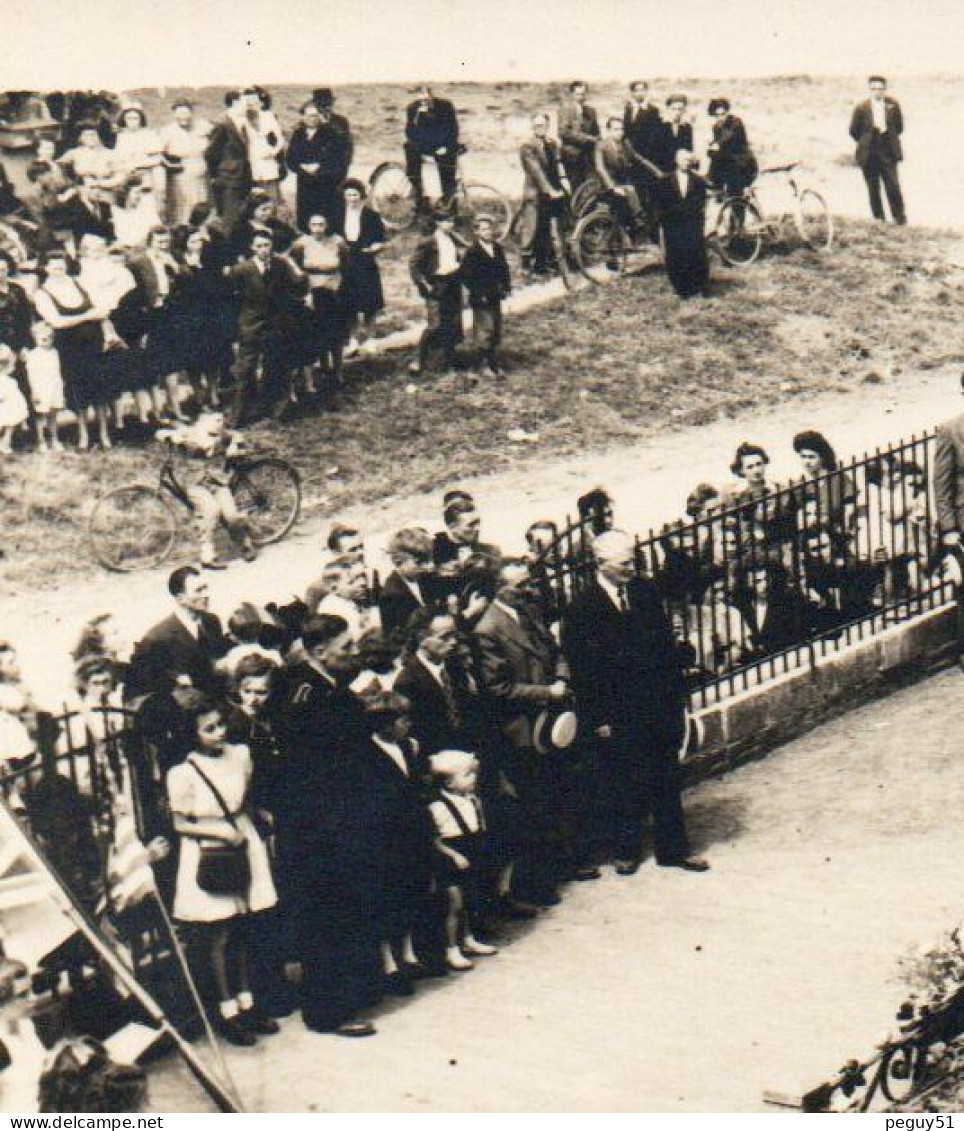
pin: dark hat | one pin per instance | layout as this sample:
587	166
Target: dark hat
323	96
718	104
554	729
681	98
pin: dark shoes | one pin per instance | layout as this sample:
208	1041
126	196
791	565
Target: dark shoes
398	984
509	908
345	1029
590	872
687	863
235	1032
258	1023
627	867
214	563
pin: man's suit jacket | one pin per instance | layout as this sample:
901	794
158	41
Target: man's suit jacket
330	147
949	475
145	274
169	650
265	300
423	264
615	161
540	163
435	128
517	661
625	668
433	722
578	128
674	207
643	126
226	155
863	133
398	604
486	277
669	143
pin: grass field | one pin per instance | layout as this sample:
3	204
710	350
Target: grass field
588	371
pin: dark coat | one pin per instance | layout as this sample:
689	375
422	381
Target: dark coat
486	277
781	623
435	128
437	724
362	279
398	604
540	164
423	266
16	316
517	661
626	669
949	475
578	129
888	146
331	148
169	650
226	156
643	126
91	218
683	220
266	302
732	163
669	142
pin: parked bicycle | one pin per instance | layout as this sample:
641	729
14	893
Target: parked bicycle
739	228
136	526
393	195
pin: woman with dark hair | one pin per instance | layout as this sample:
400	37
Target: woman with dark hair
137	151
183	144
202	314
79	338
364	234
733	167
323	257
828	495
260	215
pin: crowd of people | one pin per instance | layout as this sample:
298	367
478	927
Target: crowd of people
168	259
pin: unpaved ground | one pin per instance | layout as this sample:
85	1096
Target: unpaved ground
671	992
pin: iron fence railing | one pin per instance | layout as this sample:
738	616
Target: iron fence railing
766	578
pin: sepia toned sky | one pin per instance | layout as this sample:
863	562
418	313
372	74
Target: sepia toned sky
125	43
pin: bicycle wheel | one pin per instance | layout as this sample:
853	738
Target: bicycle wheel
600	246
482	200
738	235
133	527
563	254
392	195
268	495
586	196
813	220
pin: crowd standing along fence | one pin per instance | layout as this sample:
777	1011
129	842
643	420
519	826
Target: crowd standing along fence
764	579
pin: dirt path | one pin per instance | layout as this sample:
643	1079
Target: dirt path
649	482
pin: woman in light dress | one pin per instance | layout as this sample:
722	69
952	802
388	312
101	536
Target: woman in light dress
134	214
183	143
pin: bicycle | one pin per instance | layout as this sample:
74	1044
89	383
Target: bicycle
136	526
392	195
602	243
739	228
560	237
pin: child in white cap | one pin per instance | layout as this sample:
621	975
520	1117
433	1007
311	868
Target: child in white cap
460	843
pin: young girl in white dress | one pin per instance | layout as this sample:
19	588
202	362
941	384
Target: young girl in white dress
13	404
46	386
208	794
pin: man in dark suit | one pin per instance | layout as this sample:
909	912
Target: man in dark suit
228	161
641	121
626	670
487	281
434	268
268	290
543	194
626	176
876	126
182	649
431	130
681	196
578	132
325	871
409	587
319	153
674	133
458	543
520	666
444	705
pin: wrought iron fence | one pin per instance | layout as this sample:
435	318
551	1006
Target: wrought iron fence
763	578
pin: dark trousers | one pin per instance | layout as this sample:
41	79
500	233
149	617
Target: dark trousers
339	956
536	236
578	168
487	331
879	170
443	323
537	779
318	196
229	199
447	169
260	374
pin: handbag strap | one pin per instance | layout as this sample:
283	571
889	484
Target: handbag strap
214	789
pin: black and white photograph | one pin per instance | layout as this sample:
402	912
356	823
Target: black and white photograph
482	559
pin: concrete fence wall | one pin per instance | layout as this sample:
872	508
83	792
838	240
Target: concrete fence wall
752	723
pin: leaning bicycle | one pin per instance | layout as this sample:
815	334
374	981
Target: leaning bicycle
739	228
392	194
136	526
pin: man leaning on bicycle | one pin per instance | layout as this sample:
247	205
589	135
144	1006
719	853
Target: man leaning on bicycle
432	130
618	167
210	449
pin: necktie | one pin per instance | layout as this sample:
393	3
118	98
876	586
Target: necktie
477	806
623	601
451	704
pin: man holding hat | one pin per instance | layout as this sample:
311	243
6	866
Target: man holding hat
520	671
627	670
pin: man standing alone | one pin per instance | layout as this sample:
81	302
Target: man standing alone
876	126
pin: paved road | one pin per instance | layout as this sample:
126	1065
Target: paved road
674	992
